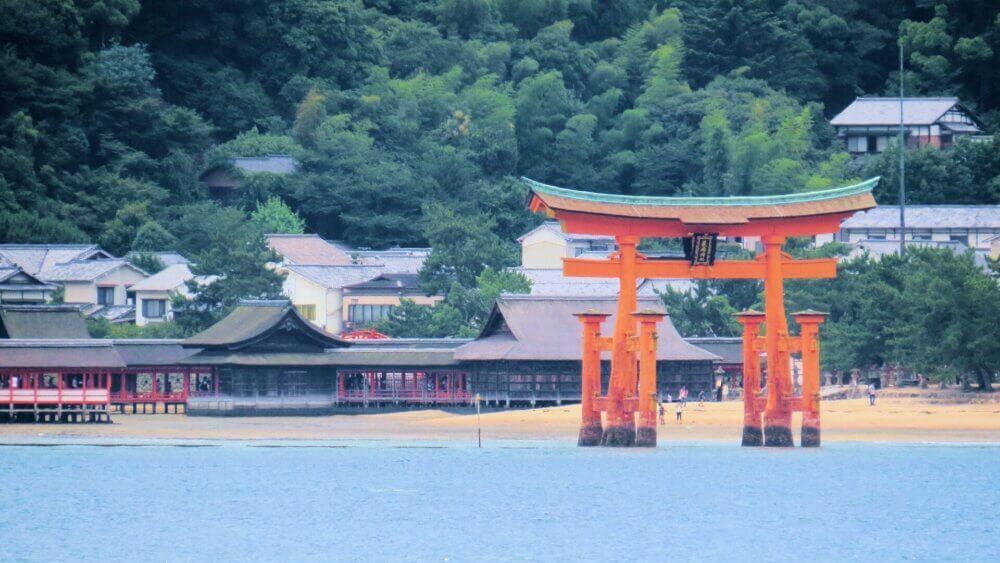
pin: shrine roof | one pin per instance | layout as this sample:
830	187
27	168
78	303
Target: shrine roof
705	210
253	322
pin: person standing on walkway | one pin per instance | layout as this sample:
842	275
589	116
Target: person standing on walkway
663	413
679	411
683	395
871	394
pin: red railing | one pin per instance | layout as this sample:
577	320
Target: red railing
127	391
21	387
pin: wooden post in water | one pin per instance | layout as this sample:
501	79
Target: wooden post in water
621	388
751	321
646	432
777	416
591	431
809	321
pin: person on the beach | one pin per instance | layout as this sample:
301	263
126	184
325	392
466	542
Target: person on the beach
683	395
701	398
871	394
662	413
679	412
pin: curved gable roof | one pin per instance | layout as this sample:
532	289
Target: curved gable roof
522	327
703	210
255	321
42	322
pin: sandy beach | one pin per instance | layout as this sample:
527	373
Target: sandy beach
917	417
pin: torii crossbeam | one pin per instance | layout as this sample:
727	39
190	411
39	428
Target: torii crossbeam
632	386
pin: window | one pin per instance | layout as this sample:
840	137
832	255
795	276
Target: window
308	312
154	308
872	143
105	296
856	144
921	235
964	239
363	315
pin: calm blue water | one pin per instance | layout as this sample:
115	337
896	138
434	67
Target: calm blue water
377	501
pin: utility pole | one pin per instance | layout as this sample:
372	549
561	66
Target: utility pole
902	158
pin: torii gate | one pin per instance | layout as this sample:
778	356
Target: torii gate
699	221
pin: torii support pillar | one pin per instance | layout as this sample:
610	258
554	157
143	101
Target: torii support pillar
809	322
777	414
645	435
591	431
751	320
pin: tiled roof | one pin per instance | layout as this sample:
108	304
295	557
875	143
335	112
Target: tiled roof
152	352
395	260
113	313
729	349
85	270
251	323
307	250
42	321
524	327
885	111
389	281
928	217
62	353
168	279
552	282
9	271
336	277
36	259
169	258
272	164
555	228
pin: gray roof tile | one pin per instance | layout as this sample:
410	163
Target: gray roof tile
336	277
37	259
42	321
885	111
927	217
84	270
272	164
543	328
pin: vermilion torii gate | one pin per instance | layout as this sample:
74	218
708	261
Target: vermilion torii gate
632	386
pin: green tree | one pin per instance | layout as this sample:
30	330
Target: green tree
274	216
948	311
147	262
151	236
700	312
462	247
122	230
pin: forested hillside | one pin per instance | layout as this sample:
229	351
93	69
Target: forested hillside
412	118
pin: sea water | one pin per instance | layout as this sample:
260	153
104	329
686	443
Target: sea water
518	501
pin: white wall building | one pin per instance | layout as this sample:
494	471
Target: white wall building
546	245
973	226
871	125
318	291
153	296
970	225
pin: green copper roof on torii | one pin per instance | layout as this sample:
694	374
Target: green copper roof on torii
731	201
